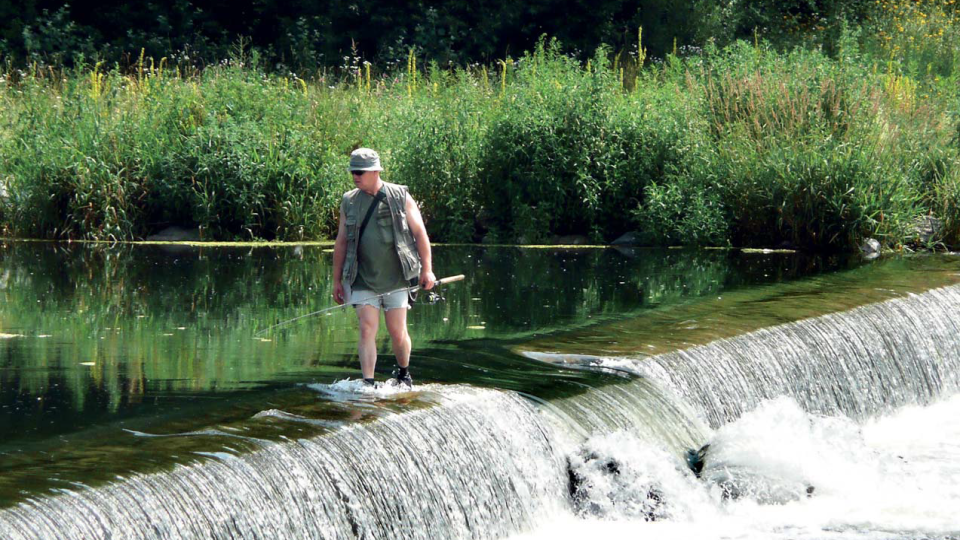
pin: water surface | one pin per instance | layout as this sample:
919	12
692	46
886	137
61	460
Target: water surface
119	362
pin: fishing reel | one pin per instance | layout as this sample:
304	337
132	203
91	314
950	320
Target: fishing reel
435	296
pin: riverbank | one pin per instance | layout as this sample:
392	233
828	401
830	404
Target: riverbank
743	146
329	244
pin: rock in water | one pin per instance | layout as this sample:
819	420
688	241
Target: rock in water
771	455
695	459
870	248
176	234
604	486
631	238
570	240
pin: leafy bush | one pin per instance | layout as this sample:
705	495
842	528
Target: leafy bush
816	152
678	212
543	145
740	145
657	135
435	145
947	205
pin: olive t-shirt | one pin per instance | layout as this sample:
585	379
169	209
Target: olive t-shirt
379	267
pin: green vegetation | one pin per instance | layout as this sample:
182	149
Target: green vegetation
833	132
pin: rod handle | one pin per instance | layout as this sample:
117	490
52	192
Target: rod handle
451	279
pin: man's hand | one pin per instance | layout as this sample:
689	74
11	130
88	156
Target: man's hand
339	256
427	279
415	221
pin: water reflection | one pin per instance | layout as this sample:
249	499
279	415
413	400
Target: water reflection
737	311
98	328
101	344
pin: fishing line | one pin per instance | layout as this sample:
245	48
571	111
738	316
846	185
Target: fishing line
433	299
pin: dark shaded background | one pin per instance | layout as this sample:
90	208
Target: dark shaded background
302	35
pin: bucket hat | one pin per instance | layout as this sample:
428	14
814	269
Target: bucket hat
364	159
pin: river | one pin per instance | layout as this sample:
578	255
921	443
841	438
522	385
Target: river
558	392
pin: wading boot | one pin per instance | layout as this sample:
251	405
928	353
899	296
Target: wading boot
403	378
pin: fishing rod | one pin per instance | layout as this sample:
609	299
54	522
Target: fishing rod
414	288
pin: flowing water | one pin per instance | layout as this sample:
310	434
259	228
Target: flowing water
559	392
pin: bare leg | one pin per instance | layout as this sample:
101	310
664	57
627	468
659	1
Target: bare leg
369	319
399	337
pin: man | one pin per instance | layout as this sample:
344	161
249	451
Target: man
389	252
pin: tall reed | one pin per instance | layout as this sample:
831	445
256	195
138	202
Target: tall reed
742	145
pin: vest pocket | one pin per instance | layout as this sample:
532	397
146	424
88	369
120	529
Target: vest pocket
385	224
386	230
351	227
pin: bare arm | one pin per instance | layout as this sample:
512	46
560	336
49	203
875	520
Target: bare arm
419	231
339	256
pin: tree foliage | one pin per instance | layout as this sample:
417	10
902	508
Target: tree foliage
303	35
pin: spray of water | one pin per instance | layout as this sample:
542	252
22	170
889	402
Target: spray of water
480	464
857	363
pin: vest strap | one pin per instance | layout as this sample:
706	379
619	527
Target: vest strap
373	206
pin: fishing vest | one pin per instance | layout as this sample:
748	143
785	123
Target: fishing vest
406	245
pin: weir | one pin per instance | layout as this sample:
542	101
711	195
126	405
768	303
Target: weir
858	363
487	464
638	407
480	465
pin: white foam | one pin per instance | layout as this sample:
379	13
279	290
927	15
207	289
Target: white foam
894	477
351	388
648	482
356	390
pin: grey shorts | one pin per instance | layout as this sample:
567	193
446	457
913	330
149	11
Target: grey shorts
364	297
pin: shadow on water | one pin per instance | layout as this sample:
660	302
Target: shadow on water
105	348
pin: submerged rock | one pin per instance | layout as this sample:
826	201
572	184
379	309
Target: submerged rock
603	486
570	240
735	483
627	251
631	238
695	459
176	234
740	474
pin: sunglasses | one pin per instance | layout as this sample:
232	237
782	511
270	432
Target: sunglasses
357	173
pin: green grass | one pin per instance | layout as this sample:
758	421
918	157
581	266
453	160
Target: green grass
746	146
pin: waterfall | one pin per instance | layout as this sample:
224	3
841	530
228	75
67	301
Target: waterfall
638	407
858	363
480	464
